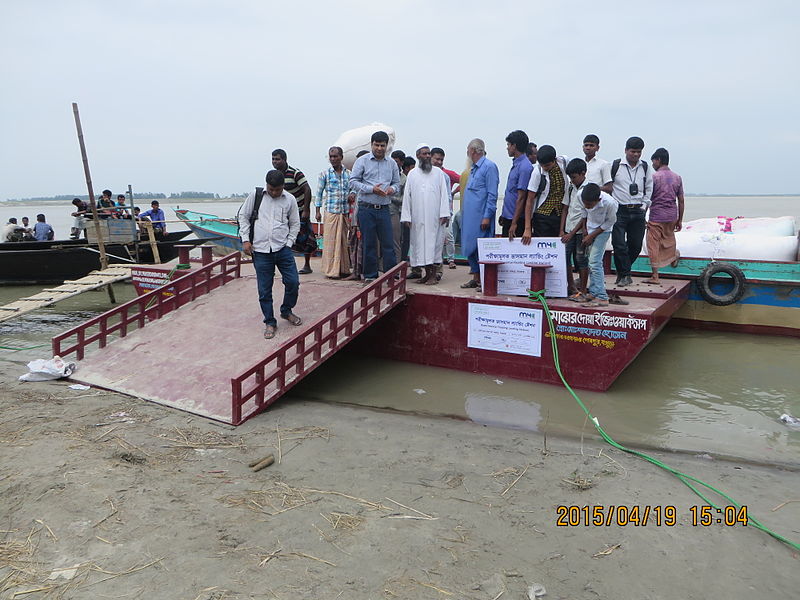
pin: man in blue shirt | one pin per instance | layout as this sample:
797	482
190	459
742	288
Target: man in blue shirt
518	178
42	231
478	207
157	216
376	179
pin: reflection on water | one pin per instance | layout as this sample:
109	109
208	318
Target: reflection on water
503	411
691	390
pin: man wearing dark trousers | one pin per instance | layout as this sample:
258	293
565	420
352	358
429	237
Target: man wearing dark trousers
376	179
632	188
269	241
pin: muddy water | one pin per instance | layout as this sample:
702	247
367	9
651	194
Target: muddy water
714	393
705	392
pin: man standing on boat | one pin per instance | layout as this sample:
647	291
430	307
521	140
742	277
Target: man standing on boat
268	239
295	183
426	208
333	188
478	207
632	184
666	216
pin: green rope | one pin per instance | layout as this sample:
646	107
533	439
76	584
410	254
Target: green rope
18	349
688	480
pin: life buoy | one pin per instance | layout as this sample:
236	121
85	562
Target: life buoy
716	268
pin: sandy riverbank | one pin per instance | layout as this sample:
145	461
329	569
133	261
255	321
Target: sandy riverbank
152	503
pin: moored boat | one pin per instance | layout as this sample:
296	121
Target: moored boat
745	274
61	260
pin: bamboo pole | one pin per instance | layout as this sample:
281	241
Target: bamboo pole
100	244
131	207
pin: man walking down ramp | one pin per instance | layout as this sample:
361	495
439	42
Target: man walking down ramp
268	225
426	209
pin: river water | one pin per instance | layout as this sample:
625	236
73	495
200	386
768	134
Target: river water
703	392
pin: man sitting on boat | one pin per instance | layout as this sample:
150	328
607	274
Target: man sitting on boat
42	230
12	231
157	216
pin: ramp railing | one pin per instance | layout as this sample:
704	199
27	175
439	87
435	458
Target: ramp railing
263	383
147	307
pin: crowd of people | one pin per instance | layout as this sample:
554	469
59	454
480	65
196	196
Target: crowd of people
398	207
23	232
82	214
107	208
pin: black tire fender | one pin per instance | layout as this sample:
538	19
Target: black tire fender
715	268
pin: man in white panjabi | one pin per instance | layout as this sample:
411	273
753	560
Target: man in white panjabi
426	209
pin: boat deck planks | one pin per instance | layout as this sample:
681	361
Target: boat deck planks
68	289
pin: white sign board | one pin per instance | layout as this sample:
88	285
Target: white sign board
505	329
513	277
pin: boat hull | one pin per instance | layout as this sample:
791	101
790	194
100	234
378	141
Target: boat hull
770	305
23	263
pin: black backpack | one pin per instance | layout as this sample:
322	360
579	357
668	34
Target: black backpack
615	168
254	214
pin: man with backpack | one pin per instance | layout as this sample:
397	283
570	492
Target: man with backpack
632	185
268	227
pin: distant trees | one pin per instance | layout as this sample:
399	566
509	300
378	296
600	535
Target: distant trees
136	195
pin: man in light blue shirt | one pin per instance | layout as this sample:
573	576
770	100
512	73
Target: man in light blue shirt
376	179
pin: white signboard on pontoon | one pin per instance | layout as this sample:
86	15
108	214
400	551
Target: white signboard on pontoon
513	277
505	329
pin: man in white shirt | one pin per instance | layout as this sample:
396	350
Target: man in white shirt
268	239
632	189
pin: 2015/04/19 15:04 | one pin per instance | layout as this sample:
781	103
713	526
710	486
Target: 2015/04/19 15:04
622	515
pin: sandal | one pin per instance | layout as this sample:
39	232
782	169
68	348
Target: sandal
269	332
578	297
305	271
595	303
292	318
614	299
470	285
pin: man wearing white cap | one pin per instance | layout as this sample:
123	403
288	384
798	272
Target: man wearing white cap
426	209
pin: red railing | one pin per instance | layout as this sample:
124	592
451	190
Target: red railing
148	307
266	381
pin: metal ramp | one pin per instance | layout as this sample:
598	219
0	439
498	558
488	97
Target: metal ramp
197	344
68	289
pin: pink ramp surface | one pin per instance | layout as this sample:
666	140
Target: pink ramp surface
187	358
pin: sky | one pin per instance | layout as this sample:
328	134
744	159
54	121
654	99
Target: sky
194	95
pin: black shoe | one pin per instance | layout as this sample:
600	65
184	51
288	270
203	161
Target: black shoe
414	275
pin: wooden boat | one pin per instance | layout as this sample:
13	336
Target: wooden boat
767	296
60	260
222	232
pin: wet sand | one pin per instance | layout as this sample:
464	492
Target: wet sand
147	502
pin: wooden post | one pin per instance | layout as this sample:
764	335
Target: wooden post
153	245
100	244
133	223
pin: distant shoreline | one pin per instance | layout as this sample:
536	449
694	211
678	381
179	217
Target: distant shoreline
171	201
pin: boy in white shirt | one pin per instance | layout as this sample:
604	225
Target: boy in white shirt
600	214
572	230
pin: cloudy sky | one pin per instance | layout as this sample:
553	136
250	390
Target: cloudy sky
193	95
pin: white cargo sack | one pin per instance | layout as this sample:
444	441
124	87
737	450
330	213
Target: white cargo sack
354	141
45	370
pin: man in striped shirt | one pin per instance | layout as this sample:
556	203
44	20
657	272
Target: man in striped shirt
334	188
295	183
